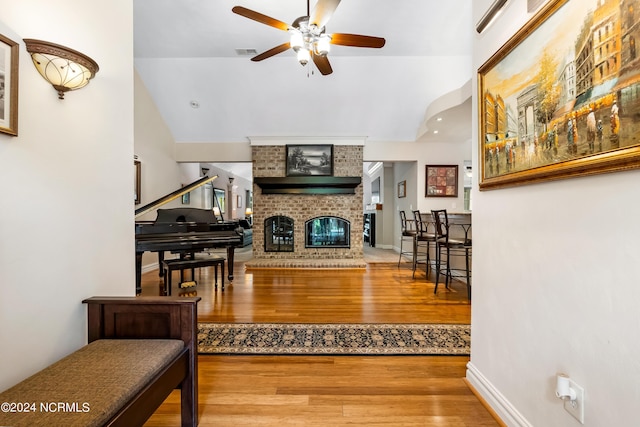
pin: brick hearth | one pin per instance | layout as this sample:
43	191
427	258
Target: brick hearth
270	161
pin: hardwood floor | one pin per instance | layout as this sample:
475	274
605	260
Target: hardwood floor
328	390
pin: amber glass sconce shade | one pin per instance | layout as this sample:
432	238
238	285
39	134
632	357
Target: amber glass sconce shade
64	68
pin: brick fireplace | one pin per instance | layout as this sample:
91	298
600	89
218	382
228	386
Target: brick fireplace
269	165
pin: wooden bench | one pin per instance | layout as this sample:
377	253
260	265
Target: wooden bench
191	263
139	350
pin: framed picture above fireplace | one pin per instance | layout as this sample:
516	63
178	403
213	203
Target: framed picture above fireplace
304	160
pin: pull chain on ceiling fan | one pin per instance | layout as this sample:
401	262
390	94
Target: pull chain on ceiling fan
307	36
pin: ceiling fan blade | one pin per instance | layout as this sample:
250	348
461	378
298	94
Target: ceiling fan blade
322	12
357	40
271	52
322	62
263	19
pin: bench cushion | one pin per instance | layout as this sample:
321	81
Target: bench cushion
92	383
197	262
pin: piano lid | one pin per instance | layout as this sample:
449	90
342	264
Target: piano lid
174	195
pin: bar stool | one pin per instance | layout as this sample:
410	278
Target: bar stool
423	239
408	232
453	247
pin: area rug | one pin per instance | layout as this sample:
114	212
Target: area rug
333	339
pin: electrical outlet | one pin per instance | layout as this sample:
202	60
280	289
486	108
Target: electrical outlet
576	407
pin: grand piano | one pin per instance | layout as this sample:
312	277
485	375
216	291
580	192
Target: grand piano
184	231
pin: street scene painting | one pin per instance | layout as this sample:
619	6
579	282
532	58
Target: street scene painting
562	97
303	160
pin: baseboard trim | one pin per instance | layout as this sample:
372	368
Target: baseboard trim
149	267
501	409
379	246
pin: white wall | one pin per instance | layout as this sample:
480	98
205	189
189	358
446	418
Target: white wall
66	182
425	153
155	146
418	155
160	174
555	285
404	171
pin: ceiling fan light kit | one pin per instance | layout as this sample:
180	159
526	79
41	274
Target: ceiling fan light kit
307	36
307	40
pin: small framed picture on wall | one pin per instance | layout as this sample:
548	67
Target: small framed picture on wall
402	189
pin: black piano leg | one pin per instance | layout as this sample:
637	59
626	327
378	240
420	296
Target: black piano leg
138	273
230	254
160	267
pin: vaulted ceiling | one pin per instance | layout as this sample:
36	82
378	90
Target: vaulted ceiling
186	54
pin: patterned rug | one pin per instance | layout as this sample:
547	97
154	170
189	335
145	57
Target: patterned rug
333	339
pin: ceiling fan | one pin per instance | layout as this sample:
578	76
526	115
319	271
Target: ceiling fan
307	36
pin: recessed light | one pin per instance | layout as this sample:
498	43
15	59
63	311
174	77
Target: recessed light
439	119
435	131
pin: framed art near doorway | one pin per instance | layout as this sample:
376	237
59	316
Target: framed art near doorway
441	181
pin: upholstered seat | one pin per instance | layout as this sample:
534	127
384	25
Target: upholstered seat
93	383
191	263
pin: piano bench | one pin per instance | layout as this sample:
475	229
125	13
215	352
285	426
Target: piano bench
170	265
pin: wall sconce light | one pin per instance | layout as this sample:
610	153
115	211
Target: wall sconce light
65	69
490	15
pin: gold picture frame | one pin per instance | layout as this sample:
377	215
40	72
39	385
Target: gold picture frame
561	97
9	60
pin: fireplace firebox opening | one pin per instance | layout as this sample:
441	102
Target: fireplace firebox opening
278	234
327	232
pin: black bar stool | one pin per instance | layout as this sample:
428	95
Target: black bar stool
453	247
423	239
408	232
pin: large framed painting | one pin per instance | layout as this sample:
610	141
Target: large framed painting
442	181
8	86
562	97
304	160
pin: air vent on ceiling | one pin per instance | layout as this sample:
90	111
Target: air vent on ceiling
246	52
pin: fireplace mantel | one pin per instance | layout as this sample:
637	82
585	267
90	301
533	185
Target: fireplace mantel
308	184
